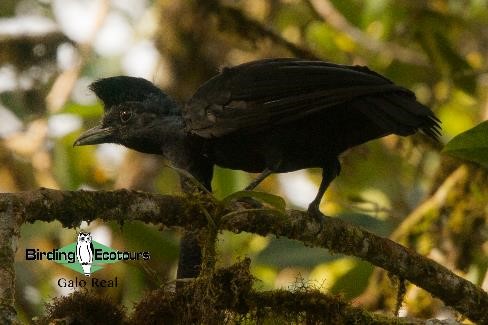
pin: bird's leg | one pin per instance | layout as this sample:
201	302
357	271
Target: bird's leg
329	172
265	173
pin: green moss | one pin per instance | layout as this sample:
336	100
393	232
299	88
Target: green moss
82	308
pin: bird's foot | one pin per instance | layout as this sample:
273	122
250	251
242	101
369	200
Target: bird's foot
314	212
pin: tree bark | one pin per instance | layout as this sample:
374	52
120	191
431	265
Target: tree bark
72	207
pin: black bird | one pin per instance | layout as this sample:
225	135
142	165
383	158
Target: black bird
266	116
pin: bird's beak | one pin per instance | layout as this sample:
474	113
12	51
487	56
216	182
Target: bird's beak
95	135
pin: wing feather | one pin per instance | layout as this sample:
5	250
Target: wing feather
271	92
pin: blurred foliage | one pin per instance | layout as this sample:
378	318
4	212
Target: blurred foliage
436	48
471	145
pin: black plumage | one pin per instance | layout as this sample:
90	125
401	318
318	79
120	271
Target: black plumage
273	115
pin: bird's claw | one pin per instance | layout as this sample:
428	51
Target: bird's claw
314	212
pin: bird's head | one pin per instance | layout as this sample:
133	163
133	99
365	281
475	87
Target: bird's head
136	114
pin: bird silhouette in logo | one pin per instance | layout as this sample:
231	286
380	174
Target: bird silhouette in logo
84	252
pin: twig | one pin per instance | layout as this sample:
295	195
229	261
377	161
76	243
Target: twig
237	22
190	177
326	10
436	201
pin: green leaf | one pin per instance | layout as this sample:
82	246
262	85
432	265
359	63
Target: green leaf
471	145
227	181
275	201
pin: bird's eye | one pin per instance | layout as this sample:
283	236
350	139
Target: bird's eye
125	115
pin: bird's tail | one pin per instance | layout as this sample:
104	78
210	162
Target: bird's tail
402	114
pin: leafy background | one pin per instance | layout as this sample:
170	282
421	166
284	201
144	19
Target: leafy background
50	50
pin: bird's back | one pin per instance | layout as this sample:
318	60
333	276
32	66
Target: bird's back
266	93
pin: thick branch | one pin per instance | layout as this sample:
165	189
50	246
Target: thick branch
71	208
423	211
342	237
9	233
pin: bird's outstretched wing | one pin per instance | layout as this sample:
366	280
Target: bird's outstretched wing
270	92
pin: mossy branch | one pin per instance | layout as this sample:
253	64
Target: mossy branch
232	296
221	297
72	207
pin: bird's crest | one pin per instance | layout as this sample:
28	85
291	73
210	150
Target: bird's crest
116	90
